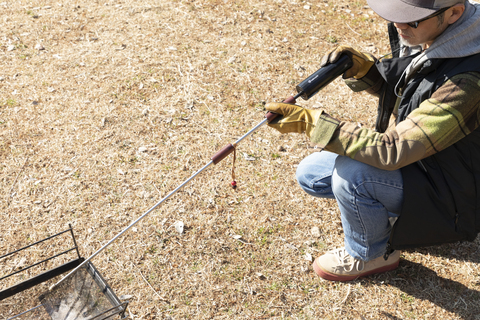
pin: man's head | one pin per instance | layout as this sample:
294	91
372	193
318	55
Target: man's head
419	21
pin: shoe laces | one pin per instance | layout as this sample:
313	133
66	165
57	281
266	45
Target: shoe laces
347	262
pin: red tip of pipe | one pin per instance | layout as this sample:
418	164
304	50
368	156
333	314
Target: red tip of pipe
271	116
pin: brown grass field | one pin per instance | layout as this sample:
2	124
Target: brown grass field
106	106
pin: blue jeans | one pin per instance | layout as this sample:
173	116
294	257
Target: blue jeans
369	199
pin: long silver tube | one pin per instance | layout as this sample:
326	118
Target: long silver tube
152	208
251	131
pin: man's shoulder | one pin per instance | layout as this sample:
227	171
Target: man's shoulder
462	66
468	79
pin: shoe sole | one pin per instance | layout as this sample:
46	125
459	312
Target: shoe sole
335	277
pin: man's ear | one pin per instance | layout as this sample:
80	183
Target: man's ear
455	13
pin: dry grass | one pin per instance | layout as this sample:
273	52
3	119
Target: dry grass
128	99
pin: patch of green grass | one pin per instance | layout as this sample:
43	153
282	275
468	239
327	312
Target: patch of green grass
10	102
152	249
407	298
331	39
275	286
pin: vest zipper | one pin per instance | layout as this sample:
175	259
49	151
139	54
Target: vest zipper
388	251
421	165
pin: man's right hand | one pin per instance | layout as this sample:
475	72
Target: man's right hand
361	62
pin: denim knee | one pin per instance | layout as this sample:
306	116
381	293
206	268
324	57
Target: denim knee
314	174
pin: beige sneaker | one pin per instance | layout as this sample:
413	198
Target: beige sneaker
338	265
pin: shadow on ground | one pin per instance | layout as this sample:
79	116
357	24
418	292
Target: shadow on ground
420	282
463	251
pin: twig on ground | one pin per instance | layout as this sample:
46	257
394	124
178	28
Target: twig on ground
352	29
158	295
9	195
348	294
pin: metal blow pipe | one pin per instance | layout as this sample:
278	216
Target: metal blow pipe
306	90
217	157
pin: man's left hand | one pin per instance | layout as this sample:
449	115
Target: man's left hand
295	118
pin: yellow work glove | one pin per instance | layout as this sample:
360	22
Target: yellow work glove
295	118
361	62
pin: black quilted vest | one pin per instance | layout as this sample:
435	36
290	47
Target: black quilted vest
442	192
